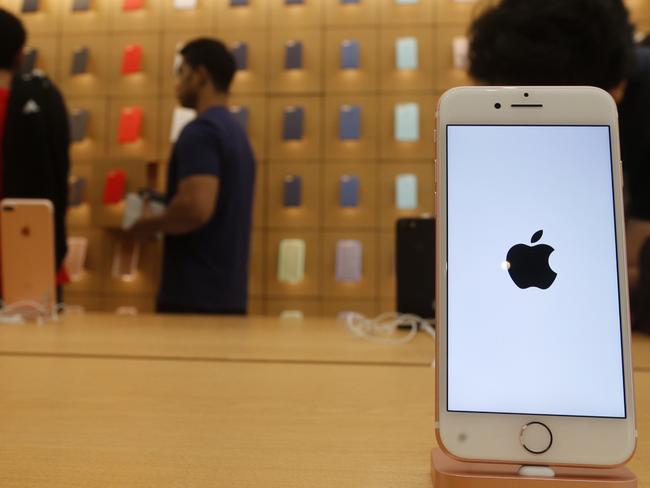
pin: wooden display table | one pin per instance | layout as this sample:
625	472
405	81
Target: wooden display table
641	351
139	423
216	338
225	338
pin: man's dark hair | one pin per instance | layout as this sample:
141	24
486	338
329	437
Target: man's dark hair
215	57
552	42
12	39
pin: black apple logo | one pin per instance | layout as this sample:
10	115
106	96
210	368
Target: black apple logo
528	265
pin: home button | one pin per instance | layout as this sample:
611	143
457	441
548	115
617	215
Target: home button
536	437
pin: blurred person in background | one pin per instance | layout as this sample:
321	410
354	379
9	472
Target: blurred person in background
580	42
210	186
34	135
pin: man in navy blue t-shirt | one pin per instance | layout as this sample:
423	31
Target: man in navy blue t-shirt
211	176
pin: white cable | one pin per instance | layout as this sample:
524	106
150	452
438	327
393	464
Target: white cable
428	328
382	329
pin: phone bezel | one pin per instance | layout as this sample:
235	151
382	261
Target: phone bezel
579	441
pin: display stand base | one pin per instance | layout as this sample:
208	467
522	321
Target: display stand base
449	473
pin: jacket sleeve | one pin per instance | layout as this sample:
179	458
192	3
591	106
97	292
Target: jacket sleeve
58	127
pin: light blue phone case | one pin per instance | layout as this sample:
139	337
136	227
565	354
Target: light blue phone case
406	53
407	122
406	191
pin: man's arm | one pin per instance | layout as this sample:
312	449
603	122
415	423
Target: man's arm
190	209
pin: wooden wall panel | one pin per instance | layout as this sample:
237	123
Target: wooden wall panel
266	88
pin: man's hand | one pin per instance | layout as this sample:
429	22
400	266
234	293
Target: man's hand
146	228
191	208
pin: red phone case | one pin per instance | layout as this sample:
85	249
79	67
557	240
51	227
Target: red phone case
114	186
129	5
132	59
130	125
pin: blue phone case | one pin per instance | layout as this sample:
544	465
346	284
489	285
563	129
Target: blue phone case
76	191
240	53
29	60
80	61
350	54
292	194
292	123
79	125
29	6
349	191
81	5
350	122
293	55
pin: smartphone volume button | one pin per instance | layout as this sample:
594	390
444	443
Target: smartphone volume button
435	177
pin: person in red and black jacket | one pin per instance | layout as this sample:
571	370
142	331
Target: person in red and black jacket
34	132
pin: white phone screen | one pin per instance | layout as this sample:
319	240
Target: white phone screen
534	321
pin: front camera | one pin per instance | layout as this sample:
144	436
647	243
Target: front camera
497	105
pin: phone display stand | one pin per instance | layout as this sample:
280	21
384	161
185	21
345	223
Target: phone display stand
450	473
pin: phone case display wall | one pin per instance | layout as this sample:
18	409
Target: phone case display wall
338	98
